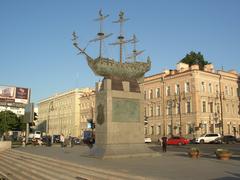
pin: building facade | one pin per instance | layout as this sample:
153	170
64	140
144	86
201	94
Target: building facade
61	113
190	102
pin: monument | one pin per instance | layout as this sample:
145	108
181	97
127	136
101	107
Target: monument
119	100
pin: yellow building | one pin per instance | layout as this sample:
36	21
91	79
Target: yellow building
189	102
65	112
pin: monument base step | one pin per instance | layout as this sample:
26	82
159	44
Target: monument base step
112	151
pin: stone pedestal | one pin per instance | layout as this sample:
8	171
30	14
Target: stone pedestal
119	122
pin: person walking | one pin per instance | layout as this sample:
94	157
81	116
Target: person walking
164	144
62	140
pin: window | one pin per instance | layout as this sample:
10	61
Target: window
187	87
226	90
168	90
177	89
204	106
150	94
151	111
188	107
145	95
169	130
158	110
211	107
231	91
203	86
217	89
218	108
152	130
227	108
145	130
158	130
229	129
158	92
189	129
177	108
210	87
169	108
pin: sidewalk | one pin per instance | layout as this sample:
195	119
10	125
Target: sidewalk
171	165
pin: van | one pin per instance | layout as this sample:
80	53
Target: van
207	138
37	134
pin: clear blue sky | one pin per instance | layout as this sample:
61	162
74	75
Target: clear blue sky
36	49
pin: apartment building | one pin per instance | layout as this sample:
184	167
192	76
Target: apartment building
65	112
189	102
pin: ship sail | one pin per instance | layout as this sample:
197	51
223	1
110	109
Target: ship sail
121	40
135	52
108	67
101	35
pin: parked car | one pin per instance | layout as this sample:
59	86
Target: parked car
56	138
229	139
76	141
207	138
147	140
176	140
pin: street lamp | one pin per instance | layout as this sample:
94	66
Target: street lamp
50	108
171	104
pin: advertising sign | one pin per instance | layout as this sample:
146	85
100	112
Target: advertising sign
11	94
21	95
7	93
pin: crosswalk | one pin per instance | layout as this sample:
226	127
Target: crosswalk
17	165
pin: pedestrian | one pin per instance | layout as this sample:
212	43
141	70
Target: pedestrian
164	144
70	140
62	140
23	141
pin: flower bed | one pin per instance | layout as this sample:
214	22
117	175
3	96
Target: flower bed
223	154
194	153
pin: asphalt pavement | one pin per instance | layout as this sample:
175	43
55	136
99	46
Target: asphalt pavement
175	164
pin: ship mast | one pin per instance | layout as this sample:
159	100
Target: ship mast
121	40
135	52
101	35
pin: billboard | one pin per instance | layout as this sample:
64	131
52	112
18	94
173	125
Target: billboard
14	94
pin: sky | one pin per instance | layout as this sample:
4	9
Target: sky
36	50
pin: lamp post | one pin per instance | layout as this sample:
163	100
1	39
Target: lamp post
179	111
50	108
170	105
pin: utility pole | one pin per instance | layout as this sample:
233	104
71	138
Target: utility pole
221	104
180	115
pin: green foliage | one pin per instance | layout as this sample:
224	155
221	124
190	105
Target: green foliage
222	151
10	121
195	58
194	149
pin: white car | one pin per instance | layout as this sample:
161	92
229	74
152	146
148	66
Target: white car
147	140
207	138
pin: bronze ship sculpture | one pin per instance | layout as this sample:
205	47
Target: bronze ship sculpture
109	68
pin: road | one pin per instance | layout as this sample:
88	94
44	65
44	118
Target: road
207	148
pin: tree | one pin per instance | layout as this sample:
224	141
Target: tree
10	121
195	58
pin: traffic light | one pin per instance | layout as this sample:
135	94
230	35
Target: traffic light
35	116
92	125
32	124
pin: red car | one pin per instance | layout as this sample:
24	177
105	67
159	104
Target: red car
177	141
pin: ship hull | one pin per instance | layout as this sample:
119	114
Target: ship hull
109	68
